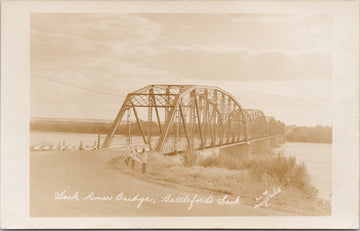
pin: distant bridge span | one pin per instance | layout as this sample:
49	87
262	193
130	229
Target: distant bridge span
175	118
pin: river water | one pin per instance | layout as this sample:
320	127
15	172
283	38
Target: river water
316	156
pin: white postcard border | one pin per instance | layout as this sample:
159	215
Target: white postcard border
15	35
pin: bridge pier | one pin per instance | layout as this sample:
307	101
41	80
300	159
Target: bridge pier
281	139
274	141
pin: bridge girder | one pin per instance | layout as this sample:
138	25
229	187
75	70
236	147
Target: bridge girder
204	116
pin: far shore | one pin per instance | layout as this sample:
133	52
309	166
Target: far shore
105	133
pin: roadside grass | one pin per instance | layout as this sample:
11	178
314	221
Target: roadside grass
247	178
283	170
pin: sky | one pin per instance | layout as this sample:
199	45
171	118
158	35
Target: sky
280	64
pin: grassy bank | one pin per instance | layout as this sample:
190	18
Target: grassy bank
247	178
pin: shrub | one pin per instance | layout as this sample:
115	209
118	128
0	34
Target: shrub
158	160
231	162
281	169
190	158
246	178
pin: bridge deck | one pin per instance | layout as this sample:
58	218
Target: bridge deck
172	145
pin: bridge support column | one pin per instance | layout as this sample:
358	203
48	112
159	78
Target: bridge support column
282	139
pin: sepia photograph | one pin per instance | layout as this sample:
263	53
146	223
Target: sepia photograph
179	114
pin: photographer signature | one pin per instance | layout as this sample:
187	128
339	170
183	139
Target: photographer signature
264	199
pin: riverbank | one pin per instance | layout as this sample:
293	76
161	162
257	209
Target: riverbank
284	184
318	160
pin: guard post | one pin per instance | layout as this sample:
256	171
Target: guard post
144	161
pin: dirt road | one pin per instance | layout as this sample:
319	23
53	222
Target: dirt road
92	188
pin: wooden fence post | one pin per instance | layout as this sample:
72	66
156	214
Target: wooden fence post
132	163
144	161
98	143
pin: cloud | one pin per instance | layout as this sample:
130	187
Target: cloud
279	64
270	19
96	27
227	63
74	36
232	49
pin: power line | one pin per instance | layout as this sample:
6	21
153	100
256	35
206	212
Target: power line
73	85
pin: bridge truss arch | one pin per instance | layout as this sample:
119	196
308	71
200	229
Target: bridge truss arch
256	124
175	118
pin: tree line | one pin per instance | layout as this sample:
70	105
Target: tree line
317	134
89	127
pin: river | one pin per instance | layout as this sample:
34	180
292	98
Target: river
316	156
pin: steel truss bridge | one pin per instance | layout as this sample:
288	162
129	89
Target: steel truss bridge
175	118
